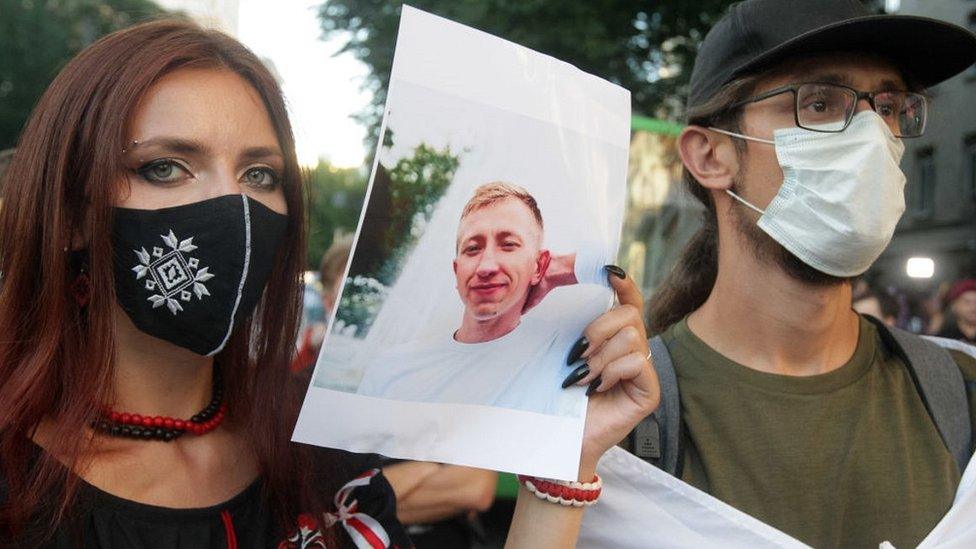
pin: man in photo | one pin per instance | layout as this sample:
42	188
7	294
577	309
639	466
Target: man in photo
499	260
502	270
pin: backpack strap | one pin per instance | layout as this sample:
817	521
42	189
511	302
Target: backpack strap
657	438
939	383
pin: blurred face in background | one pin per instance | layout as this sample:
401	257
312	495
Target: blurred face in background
499	258
330	295
964	307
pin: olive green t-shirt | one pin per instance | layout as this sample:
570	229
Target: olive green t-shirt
849	458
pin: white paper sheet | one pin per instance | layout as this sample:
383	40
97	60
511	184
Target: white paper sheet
513	115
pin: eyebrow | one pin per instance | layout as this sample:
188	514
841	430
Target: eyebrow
476	236
482	236
830	78
257	153
887	84
191	147
891	85
175	144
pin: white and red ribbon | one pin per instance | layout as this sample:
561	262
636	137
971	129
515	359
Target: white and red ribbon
365	531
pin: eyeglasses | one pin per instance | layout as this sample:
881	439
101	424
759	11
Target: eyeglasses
823	107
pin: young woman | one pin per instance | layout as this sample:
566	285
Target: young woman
151	250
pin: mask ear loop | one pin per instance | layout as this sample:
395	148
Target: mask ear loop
740	136
744	201
748	138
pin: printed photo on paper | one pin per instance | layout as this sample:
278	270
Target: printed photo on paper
479	257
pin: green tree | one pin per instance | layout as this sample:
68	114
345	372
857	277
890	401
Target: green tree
336	198
37	37
417	182
401	202
646	47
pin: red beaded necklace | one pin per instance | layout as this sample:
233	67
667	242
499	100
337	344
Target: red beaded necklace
164	428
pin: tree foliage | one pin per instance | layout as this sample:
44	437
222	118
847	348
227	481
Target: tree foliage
417	183
401	202
646	47
37	37
336	198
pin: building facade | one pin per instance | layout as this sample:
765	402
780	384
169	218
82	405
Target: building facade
940	217
660	215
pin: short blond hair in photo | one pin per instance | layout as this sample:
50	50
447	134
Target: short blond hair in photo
492	193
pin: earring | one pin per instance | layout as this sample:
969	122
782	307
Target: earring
81	287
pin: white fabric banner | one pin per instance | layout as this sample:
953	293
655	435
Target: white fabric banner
644	507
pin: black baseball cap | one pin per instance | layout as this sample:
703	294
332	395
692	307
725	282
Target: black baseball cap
757	33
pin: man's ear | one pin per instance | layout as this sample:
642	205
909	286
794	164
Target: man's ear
454	264
709	156
541	266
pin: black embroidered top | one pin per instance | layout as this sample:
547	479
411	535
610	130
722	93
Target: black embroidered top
364	517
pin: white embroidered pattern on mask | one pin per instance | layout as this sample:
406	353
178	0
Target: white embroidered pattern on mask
171	273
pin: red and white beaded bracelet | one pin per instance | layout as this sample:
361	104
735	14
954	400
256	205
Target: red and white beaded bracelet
564	492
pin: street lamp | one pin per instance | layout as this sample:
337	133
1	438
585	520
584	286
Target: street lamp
920	267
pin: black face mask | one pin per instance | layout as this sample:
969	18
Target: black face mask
191	274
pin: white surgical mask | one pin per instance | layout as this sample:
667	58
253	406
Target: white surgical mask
841	197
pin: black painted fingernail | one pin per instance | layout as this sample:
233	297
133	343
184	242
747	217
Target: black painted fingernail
579	373
593	385
577	351
615	271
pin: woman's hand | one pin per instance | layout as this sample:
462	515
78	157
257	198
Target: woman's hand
623	391
623	386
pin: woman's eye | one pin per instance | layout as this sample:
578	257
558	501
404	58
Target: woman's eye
261	177
163	171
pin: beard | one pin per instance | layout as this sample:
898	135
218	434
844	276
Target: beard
767	250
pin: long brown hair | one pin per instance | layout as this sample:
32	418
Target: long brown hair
692	278
56	358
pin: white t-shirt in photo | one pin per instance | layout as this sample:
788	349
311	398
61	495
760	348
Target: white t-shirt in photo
516	370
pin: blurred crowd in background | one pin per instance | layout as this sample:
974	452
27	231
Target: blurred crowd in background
947	311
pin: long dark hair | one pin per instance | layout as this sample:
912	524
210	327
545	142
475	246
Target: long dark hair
691	279
56	358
